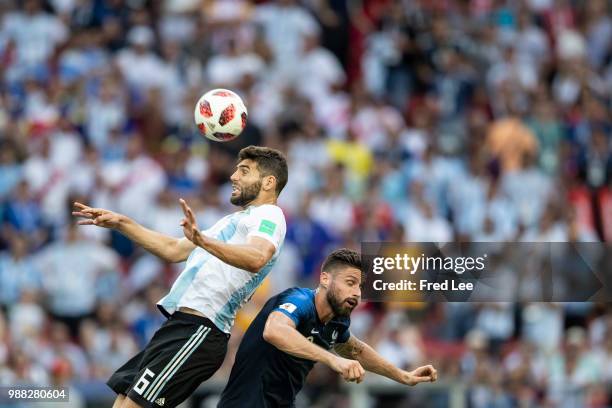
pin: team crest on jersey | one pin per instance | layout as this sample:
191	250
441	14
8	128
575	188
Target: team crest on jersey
290	307
160	401
334	337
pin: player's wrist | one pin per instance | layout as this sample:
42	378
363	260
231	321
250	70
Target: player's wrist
407	378
199	239
330	360
123	222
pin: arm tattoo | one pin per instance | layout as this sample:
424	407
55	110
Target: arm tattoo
351	349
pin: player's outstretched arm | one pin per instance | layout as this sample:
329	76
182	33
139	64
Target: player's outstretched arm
372	361
251	256
168	248
280	331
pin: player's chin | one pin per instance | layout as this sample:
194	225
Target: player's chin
347	308
351	303
236	199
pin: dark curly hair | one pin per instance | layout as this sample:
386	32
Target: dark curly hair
270	162
342	257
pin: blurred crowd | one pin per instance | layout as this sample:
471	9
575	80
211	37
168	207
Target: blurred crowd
413	120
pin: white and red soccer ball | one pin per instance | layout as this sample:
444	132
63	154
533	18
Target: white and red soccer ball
220	115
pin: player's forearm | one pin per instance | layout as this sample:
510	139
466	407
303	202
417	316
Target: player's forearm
370	360
245	257
290	341
158	244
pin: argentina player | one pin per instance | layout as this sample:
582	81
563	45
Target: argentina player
225	264
295	329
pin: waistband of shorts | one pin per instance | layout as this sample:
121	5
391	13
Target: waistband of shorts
197	319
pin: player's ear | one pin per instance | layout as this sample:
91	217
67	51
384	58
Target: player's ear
269	183
324	279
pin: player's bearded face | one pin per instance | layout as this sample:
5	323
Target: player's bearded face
244	193
341	305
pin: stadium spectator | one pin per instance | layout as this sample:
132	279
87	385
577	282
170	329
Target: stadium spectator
18	271
74	270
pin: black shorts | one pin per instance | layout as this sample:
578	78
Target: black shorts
185	351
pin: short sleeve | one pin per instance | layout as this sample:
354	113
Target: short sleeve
295	305
267	222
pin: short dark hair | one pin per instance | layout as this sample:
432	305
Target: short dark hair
342	257
270	162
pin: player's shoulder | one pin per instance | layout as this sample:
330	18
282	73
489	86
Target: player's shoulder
297	292
266	209
270	212
297	297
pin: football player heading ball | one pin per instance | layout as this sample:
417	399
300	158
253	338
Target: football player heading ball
225	264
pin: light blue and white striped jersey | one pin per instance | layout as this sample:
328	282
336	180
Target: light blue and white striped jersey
217	289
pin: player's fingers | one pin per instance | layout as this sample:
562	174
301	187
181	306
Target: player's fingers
430	372
190	215
424	370
360	373
103	219
85	222
80	206
94	211
81	214
356	373
187	211
183	206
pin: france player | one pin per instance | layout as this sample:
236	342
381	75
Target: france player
225	264
295	329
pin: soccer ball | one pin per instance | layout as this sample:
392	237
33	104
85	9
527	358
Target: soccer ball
220	115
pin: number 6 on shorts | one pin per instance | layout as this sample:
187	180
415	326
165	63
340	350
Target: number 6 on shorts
143	382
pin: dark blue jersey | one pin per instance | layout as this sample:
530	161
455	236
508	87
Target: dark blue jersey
264	376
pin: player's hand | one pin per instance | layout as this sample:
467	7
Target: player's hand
350	370
422	374
189	224
96	216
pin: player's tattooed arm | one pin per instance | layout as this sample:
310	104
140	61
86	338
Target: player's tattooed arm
372	361
352	349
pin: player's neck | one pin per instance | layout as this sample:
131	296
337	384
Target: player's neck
324	310
261	201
